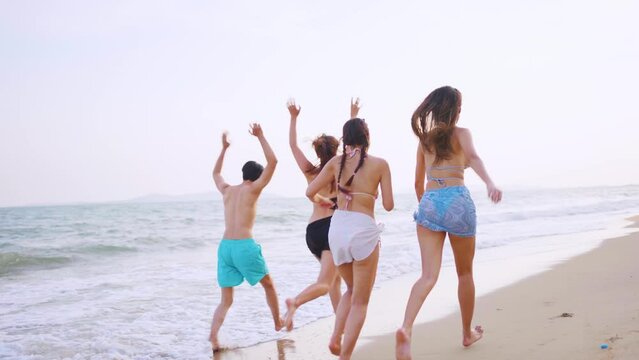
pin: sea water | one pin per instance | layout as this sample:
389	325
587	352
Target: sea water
138	280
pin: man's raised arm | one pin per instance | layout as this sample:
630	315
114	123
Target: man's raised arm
271	160
217	170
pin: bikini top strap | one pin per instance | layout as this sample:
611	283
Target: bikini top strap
430	176
347	194
447	167
365	193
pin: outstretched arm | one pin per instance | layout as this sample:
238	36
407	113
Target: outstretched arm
299	156
355	108
420	172
217	170
475	162
271	160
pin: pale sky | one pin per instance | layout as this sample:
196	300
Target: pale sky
108	100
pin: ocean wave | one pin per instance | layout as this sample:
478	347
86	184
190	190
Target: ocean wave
12	261
560	210
104	249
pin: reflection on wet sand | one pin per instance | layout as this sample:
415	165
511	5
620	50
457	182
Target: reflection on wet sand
284	346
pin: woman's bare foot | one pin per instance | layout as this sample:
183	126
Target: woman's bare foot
335	345
474	336
279	324
288	318
402	345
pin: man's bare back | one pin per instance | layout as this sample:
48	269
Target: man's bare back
239	210
240	200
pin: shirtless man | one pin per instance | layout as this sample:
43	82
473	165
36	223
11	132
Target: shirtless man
239	257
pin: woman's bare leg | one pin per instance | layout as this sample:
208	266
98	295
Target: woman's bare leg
364	272
325	280
335	292
464	251
343	309
431	245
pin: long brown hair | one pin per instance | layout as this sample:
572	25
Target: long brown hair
325	147
354	133
435	119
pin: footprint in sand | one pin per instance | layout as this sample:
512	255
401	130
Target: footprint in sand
563	315
614	338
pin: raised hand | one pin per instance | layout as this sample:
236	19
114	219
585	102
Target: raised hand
225	140
355	108
256	130
494	193
293	109
217	170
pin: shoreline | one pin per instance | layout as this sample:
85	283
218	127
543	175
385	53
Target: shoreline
519	316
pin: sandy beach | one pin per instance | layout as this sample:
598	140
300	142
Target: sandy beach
566	312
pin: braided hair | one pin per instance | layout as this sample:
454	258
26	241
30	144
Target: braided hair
435	119
355	133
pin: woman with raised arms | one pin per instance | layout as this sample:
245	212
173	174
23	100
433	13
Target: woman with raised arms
328	281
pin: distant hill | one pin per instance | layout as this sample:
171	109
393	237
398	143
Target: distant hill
149	198
205	196
152	198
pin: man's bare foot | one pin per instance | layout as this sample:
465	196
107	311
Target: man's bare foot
335	345
475	335
215	345
288	318
402	345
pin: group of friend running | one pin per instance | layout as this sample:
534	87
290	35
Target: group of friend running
342	233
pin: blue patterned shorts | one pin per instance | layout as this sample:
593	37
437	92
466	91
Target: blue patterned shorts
448	209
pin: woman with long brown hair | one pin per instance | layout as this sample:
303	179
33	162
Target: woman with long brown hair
445	207
354	236
328	281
